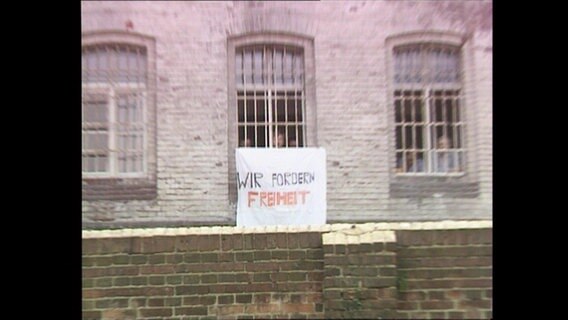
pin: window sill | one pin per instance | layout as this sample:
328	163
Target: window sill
433	186
119	189
427	175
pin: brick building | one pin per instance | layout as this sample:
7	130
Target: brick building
398	93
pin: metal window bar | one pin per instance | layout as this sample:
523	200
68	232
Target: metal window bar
428	128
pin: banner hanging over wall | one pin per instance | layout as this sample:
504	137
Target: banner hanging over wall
281	186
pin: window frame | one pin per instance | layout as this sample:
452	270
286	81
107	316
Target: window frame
271	92
420	39
306	43
427	88
116	185
424	185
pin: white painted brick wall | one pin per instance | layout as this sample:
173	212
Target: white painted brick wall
351	97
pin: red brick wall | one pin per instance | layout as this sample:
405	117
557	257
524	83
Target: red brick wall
445	274
442	274
360	281
203	276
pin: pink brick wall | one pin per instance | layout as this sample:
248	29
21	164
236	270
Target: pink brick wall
351	102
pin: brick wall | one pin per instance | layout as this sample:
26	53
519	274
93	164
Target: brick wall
445	274
351	104
360	277
335	271
208	276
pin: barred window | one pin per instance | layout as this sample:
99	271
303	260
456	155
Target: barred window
114	78
269	83
427	110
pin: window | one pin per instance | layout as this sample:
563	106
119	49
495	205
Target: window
427	110
428	113
118	117
114	83
270	96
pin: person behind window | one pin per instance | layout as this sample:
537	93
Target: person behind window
411	165
415	166
280	141
246	143
445	160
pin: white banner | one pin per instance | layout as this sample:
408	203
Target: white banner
281	186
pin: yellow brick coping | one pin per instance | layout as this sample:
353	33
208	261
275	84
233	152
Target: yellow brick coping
363	232
340	237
